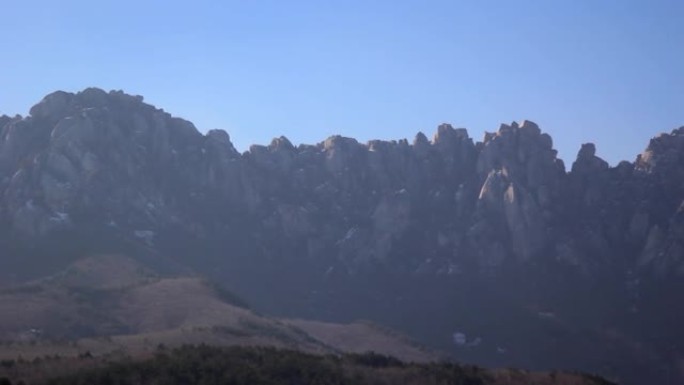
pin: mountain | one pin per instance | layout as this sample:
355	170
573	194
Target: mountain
493	250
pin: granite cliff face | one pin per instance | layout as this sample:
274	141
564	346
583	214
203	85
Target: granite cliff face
316	221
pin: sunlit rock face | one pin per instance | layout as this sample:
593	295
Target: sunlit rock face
308	217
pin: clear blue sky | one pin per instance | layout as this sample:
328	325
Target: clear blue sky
611	72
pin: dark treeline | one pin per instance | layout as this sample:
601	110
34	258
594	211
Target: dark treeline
205	365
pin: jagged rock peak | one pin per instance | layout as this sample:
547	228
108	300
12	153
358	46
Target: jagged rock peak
526	127
663	150
420	140
51	105
383	145
4	119
506	127
338	141
95	97
421	145
222	138
60	103
523	149
587	161
530	127
446	132
587	151
281	144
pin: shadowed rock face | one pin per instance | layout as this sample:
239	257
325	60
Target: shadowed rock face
299	227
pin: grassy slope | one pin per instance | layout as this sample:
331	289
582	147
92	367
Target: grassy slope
111	304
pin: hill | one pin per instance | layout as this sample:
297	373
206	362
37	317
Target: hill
110	304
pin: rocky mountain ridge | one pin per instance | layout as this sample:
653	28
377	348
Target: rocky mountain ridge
334	225
109	155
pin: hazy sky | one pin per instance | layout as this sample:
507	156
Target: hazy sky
611	72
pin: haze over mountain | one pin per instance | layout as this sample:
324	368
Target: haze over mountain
495	250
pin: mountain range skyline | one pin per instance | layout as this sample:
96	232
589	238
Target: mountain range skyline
603	72
477	135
